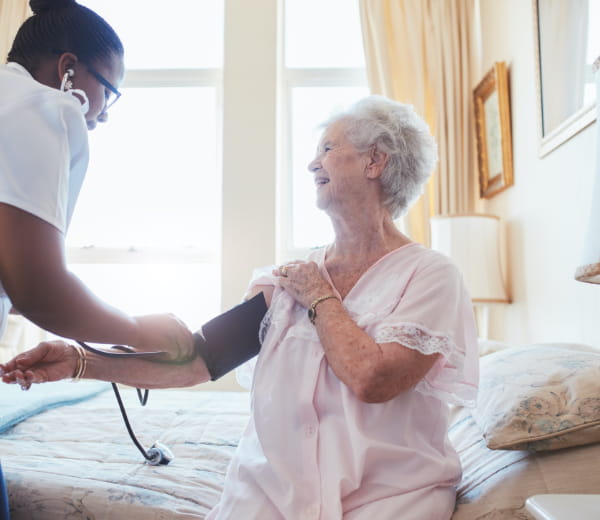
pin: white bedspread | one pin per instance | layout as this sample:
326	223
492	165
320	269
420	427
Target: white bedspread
77	462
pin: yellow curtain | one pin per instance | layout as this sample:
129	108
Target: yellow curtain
12	14
422	52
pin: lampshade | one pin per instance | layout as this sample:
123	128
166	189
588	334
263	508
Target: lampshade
589	270
472	242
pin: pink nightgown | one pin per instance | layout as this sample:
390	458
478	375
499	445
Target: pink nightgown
312	450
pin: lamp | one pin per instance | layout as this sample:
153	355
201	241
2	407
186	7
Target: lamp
589	270
472	242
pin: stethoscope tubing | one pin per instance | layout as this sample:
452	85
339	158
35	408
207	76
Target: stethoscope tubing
137	443
143	398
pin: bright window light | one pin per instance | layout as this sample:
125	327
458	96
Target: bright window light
166	35
187	290
323	34
153	178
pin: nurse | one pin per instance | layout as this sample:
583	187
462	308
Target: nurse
62	76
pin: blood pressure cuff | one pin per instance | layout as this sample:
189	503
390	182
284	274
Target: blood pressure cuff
230	339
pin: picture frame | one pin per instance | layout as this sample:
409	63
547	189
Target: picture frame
565	88
493	132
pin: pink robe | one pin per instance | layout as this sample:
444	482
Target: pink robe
312	450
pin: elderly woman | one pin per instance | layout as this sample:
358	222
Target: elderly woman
365	344
363	347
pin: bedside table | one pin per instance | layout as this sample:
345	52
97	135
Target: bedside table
564	507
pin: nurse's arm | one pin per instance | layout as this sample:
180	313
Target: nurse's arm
57	360
34	274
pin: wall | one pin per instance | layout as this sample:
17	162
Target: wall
545	213
249	139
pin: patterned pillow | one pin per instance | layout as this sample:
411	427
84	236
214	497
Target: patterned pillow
540	397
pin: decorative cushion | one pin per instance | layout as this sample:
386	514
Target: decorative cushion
540	397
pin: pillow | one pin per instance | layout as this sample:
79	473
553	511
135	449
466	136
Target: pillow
539	397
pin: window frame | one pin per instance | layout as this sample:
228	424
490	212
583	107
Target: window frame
134	254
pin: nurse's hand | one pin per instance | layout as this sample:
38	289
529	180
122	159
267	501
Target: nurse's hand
165	332
49	361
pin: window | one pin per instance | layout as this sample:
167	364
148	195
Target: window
157	220
145	235
323	70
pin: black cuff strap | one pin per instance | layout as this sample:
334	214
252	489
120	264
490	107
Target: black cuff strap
230	339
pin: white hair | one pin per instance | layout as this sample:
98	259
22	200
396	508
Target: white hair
397	130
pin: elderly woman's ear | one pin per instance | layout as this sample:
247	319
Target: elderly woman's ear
377	162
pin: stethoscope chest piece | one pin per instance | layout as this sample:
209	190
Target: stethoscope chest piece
159	455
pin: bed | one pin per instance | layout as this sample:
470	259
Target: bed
66	454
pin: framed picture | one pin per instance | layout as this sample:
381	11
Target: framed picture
494	140
566	45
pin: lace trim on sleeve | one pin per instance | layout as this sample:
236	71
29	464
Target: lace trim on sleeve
448	383
418	338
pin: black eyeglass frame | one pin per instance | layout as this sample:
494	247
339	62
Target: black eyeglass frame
100	78
107	84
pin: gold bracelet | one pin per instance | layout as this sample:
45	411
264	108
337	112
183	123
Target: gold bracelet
312	310
81	363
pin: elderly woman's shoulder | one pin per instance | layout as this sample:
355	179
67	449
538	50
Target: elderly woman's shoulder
431	259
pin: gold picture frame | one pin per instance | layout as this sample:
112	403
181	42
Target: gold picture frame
493	132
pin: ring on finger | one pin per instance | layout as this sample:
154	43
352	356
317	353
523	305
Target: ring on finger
283	271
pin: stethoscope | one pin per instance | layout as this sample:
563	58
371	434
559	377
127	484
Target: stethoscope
158	454
224	343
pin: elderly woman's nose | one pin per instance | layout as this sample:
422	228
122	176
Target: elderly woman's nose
314	165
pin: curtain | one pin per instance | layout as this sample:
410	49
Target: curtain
12	14
423	52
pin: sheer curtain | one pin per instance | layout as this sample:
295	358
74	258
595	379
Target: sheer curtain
12	14
423	52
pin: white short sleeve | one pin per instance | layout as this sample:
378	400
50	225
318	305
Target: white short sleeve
43	154
435	315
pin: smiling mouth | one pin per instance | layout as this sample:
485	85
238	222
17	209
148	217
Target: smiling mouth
320	181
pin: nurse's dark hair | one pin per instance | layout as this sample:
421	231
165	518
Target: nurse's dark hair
63	26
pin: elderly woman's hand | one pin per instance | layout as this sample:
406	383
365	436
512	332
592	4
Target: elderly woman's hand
49	361
303	281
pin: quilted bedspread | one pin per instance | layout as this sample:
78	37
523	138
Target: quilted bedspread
77	462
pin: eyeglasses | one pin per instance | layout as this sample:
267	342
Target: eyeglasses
114	94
